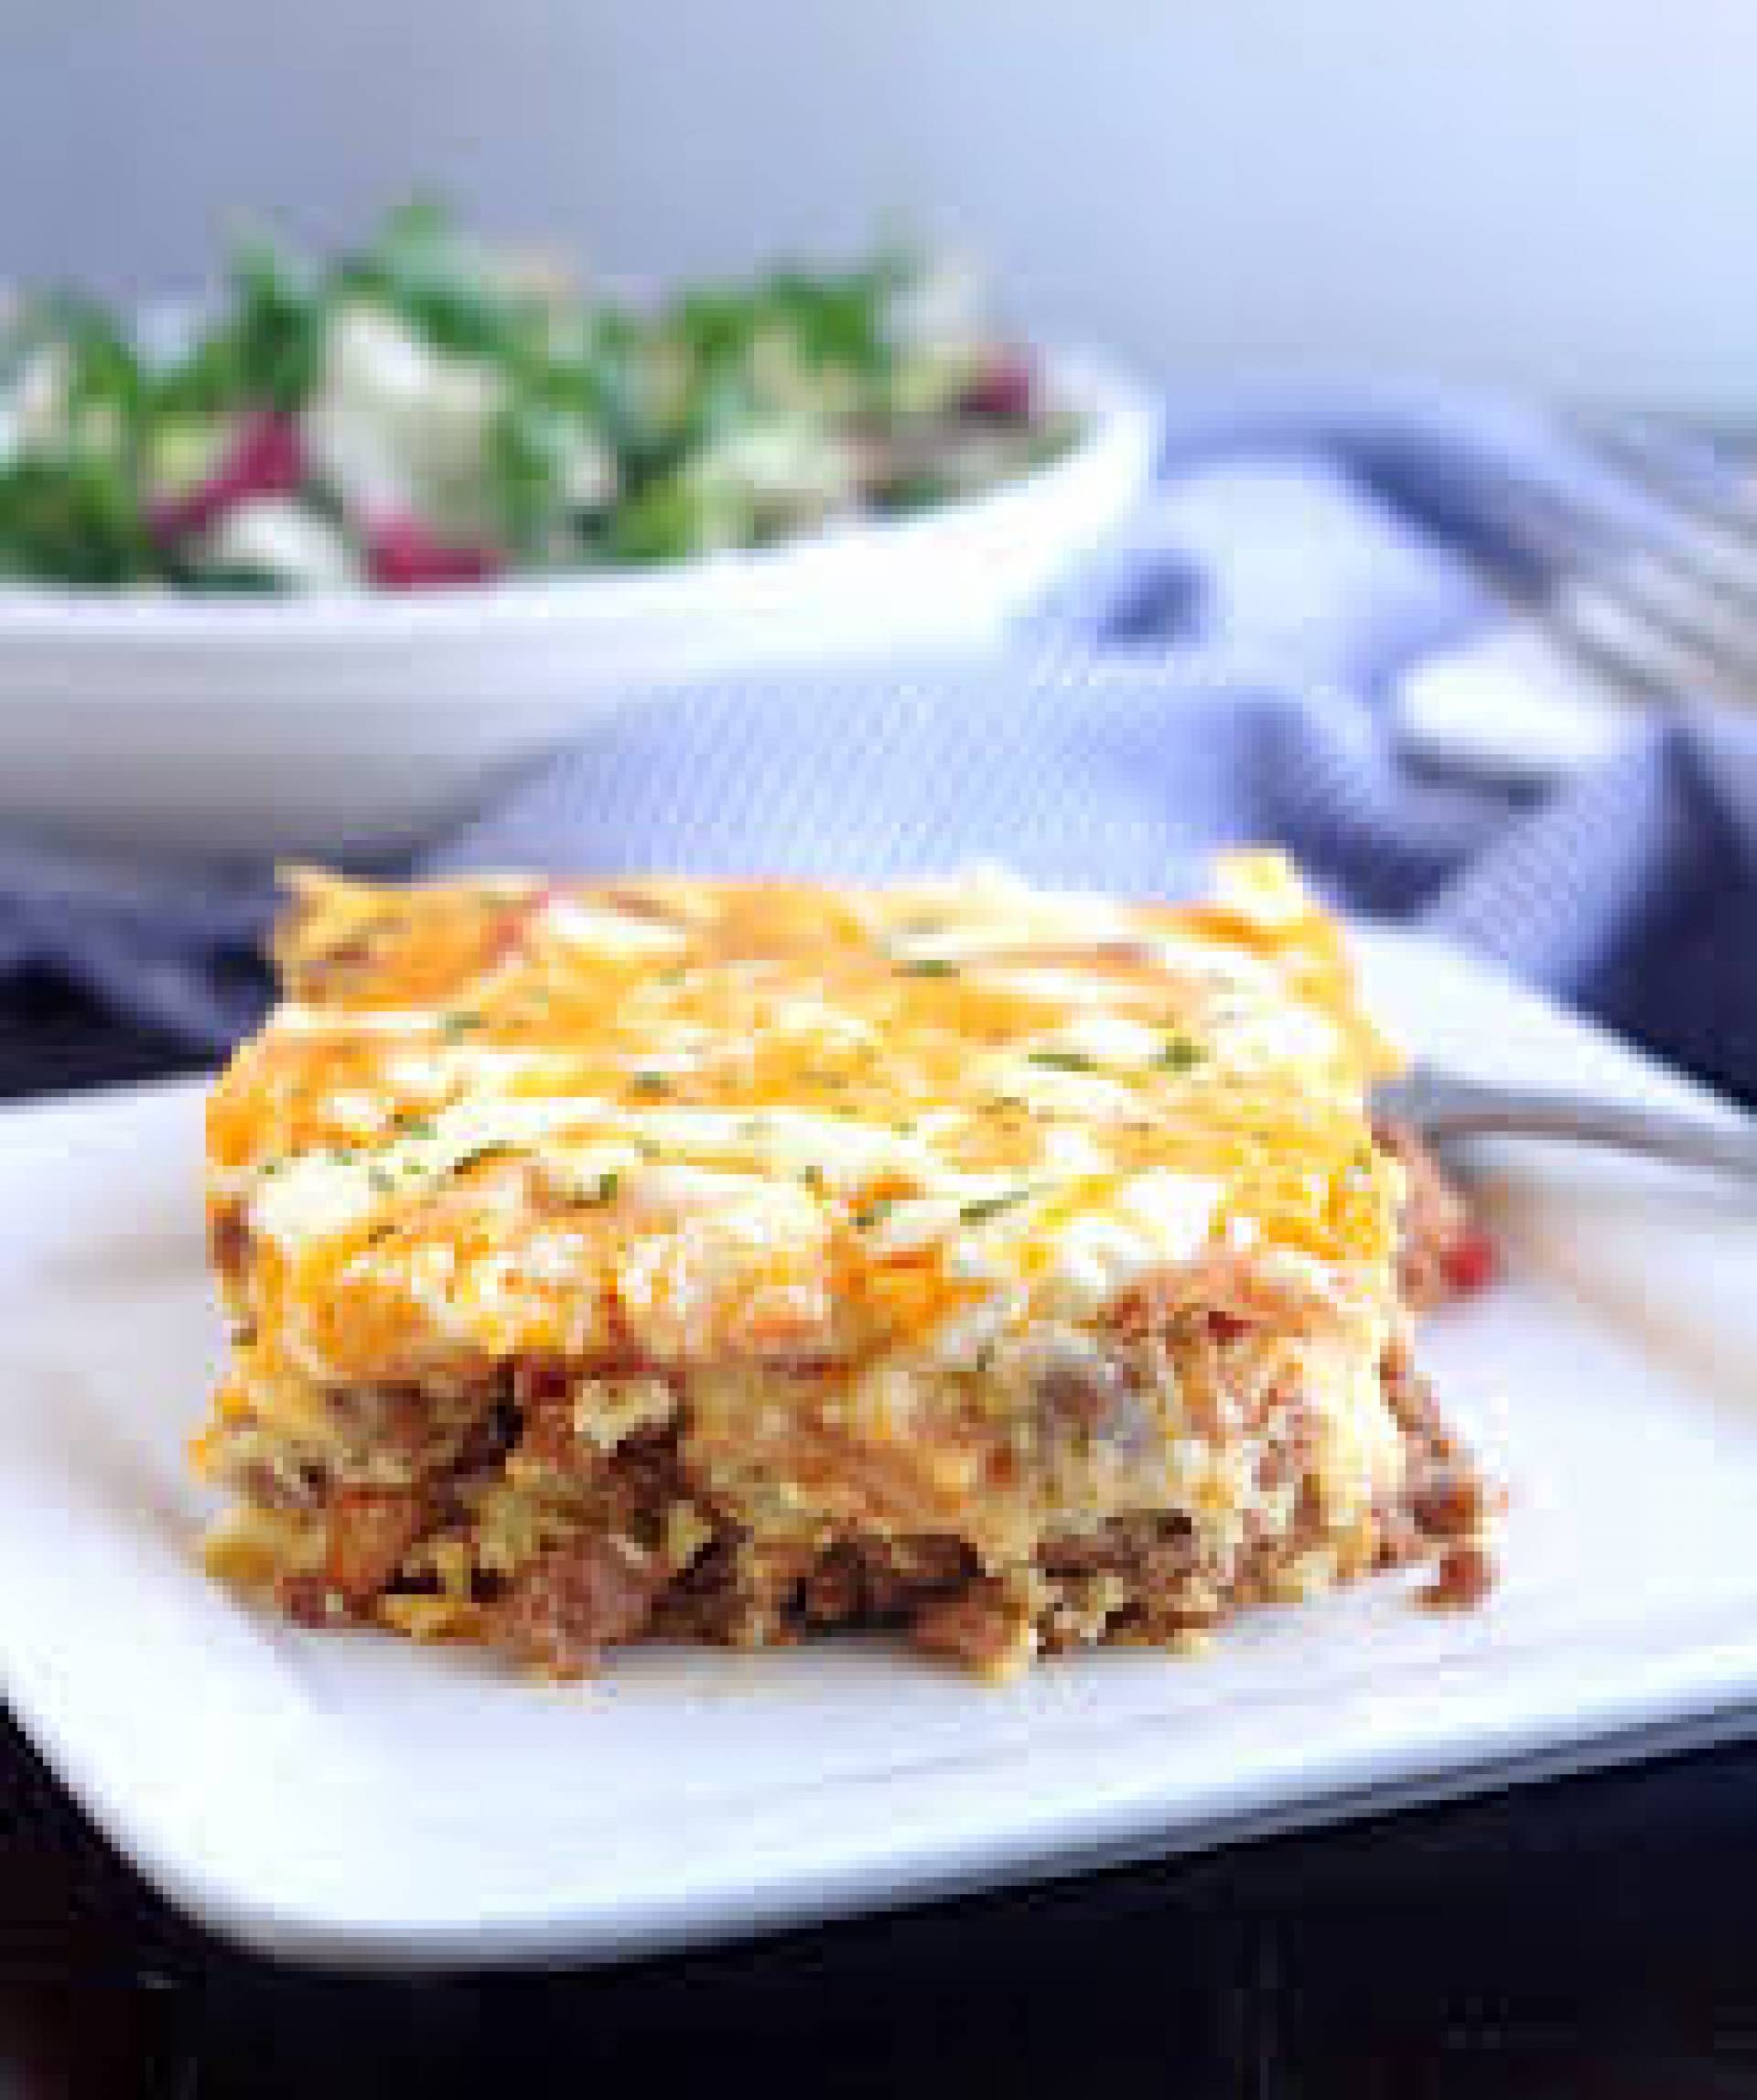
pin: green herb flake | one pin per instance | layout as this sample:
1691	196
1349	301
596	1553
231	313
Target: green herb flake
927	966
874	1213
413	1125
812	1177
1179	1054
459	1023
982	1208
1060	1059
604	1188
651	1083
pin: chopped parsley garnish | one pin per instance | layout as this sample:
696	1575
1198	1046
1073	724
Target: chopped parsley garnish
875	1212
982	1207
603	1189
380	1179
1179	1054
413	1125
812	1177
1060	1059
650	1082
459	1023
927	966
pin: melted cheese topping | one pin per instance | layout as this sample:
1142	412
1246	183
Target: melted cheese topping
712	1122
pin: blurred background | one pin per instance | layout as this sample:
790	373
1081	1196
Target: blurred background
1541	193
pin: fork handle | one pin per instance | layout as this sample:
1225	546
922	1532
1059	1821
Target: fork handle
1463	1108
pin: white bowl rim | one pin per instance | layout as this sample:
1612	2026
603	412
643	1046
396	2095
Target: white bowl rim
1123	417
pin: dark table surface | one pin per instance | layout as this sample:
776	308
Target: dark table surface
1592	1937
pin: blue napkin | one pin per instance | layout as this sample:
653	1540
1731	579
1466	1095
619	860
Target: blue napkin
1217	674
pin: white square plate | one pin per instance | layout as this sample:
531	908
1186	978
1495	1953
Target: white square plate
349	1800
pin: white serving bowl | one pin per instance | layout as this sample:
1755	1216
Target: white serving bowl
323	724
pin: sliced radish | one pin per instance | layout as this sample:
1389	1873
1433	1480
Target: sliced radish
261	458
402	554
1002	389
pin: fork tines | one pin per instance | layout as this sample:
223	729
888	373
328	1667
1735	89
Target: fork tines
1653	583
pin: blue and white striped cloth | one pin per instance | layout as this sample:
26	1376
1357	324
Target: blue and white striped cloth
1219	676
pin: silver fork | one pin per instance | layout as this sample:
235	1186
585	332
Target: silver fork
1441	1106
1658	597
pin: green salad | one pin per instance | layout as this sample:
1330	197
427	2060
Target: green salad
427	412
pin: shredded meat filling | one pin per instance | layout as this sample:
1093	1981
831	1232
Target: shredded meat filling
370	1531
577	1601
983	1627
